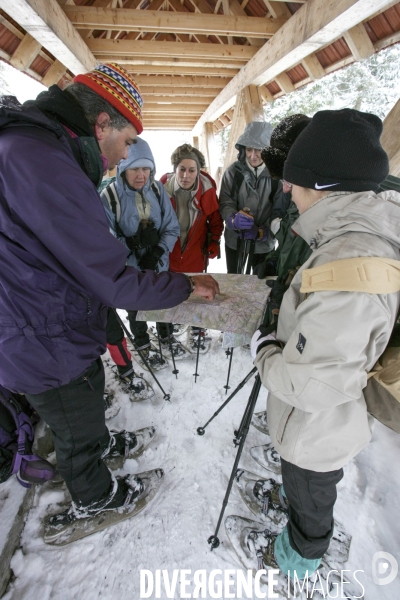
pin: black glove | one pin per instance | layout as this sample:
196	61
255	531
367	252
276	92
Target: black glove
278	289
265	269
151	259
145	237
148	235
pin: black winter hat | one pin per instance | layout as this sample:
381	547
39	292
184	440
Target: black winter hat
339	151
282	138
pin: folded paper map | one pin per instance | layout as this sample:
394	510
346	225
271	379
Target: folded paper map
237	310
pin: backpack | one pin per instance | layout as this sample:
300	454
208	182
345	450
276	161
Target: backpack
17	419
373	276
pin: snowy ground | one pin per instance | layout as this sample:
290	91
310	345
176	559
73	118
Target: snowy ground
172	532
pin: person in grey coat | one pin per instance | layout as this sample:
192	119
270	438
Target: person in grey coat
247	184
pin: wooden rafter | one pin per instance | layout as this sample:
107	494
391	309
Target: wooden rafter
314	26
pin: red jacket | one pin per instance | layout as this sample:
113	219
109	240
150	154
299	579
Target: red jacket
192	257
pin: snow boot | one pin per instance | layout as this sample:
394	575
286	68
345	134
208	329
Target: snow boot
267	457
203	343
111	405
126	444
179	329
126	497
260	422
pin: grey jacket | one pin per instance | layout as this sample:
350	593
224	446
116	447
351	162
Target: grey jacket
316	409
240	188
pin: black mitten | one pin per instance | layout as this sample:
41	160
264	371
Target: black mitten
265	269
151	259
148	235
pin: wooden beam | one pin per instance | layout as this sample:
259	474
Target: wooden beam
192	109
314	26
238	11
181	82
390	139
266	94
87	17
285	83
190	95
359	42
252	104
278	9
181	70
313	67
54	74
25	53
187	50
47	23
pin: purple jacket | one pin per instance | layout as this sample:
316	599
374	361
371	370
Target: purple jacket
60	265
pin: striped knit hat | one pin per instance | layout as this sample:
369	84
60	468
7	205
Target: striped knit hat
117	87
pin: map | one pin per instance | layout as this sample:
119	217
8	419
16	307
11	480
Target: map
237	310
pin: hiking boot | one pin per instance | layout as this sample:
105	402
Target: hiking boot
127	444
136	386
122	492
171	343
203	343
153	358
270	496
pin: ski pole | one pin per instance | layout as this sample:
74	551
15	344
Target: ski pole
174	370
201	430
167	397
230	353
213	540
195	374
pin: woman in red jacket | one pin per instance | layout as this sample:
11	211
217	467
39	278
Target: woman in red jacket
194	198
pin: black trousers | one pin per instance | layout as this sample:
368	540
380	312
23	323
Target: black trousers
75	415
115	333
311	497
232	259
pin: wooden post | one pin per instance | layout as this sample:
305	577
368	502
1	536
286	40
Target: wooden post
211	154
390	139
54	74
195	142
252	104
237	128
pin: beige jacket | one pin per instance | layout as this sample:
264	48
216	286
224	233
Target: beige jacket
317	415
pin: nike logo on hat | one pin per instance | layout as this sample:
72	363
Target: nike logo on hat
321	187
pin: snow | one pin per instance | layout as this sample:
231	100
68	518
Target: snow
171	534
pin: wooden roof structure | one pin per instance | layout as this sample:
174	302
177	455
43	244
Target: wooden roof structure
200	64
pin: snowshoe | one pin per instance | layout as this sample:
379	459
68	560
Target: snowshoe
111	406
130	495
267	457
266	501
153	358
180	329
260	422
136	386
264	498
178	350
203	343
126	444
254	544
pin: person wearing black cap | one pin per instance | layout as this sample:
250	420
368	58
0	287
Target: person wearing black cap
247	184
315	366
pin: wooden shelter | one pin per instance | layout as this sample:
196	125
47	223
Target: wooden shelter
202	64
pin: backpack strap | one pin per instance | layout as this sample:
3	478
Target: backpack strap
156	190
237	182
113	200
372	275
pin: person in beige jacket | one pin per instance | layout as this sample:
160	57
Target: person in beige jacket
316	365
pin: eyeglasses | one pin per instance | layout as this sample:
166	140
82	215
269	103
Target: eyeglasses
289	185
